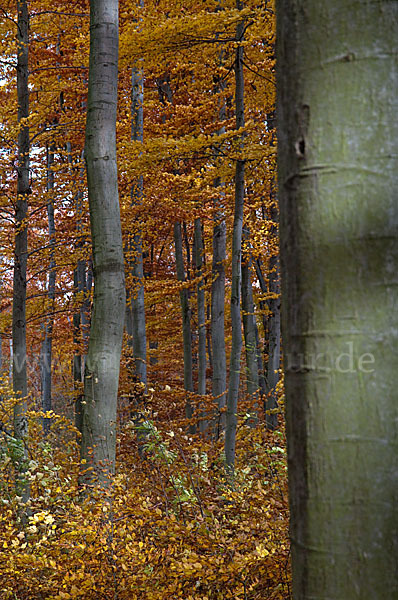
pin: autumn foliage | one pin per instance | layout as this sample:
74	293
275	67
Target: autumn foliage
171	526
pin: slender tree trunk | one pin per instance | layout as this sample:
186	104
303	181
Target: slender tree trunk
48	332
208	335
262	303
272	329
219	379
201	316
274	344
263	309
219	362
79	281
250	334
234	365
186	322
260	366
103	358
153	344
136	307
166	95
337	170
19	374
80	317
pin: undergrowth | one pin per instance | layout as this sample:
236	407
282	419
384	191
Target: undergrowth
170	527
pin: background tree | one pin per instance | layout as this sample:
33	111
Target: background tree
19	365
337	132
236	321
136	322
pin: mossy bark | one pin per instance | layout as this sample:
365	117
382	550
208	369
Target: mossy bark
337	119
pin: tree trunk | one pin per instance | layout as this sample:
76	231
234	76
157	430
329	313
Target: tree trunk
219	362
201	316
80	317
219	379
260	366
80	325
186	323
208	335
103	358
234	365
136	308
337	82
46	355
274	344
250	334
264	318
19	373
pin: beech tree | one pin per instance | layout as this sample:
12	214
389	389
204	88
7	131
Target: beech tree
136	323
103	357
234	364
201	307
186	322
250	332
19	373
219	239
337	121
46	357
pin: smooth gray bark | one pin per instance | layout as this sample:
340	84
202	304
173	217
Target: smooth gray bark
46	352
153	344
236	347
81	317
219	379
260	366
263	308
101	376
219	360
200	294
186	322
274	344
272	328
208	334
136	306
337	170
166	96
19	371
264	290
80	324
250	334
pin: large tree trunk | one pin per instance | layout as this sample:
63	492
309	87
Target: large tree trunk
186	323
337	82
19	373
103	357
46	354
234	365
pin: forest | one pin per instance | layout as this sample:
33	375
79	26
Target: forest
179	182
